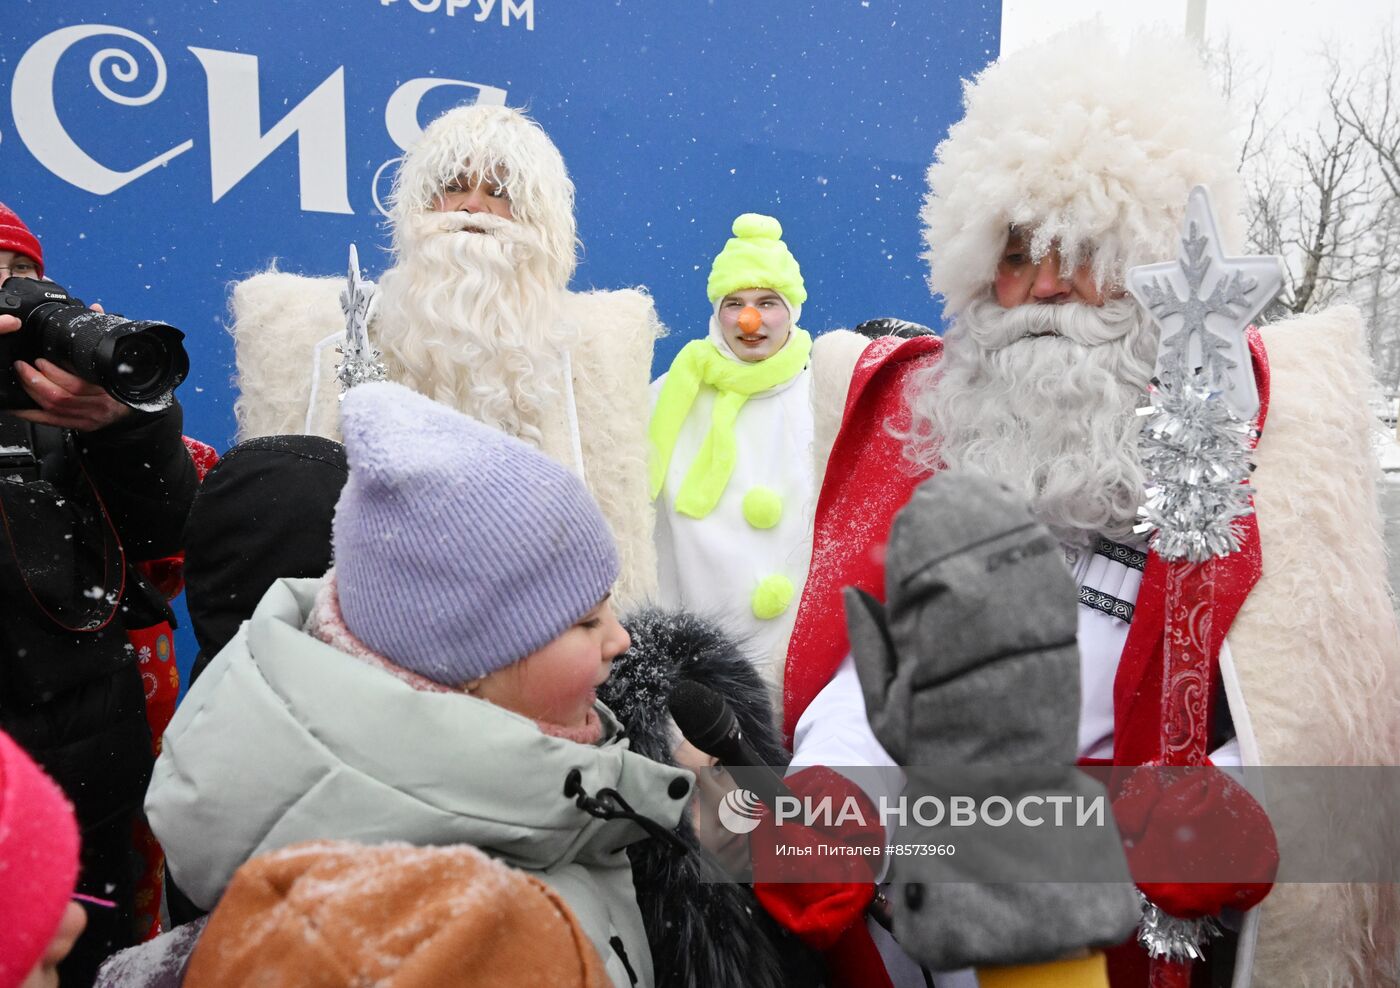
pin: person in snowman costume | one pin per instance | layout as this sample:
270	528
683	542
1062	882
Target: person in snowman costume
732	468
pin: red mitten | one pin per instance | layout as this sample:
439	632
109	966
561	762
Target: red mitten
1182	827
802	875
818	912
204	455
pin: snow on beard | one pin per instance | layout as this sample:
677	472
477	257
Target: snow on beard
1044	398
469	316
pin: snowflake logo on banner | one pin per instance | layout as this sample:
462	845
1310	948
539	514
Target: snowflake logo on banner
1203	331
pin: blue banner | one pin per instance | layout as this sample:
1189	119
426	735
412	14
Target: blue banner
161	152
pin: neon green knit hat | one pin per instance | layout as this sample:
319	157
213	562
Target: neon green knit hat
756	258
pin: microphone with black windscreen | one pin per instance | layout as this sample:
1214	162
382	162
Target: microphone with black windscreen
708	723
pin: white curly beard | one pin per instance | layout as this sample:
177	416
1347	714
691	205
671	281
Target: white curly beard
1043	397
468	317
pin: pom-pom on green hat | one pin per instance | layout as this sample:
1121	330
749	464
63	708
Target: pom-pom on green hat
756	257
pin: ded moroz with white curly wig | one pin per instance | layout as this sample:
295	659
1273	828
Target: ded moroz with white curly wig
475	312
471	312
1070	149
1074	163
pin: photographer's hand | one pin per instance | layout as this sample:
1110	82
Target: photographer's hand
64	400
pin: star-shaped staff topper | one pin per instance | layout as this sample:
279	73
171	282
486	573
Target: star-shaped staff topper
1203	302
360	362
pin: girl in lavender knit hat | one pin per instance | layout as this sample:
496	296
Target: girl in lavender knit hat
437	687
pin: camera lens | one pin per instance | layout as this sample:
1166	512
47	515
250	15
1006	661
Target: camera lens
139	363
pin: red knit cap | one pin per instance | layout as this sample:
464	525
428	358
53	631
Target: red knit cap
15	236
38	861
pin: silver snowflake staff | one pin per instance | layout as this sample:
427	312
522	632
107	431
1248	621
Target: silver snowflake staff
360	363
1195	448
1203	302
1179	941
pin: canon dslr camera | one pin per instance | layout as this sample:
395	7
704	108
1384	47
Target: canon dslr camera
139	363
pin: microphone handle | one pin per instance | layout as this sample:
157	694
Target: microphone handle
749	771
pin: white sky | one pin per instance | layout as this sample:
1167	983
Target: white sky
1281	35
1289	28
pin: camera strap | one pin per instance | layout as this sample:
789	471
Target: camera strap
18	502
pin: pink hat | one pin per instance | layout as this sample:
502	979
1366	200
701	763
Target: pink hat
38	861
15	236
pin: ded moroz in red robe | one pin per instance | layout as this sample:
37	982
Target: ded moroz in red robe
868	480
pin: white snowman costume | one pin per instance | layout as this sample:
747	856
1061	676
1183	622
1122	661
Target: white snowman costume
727	565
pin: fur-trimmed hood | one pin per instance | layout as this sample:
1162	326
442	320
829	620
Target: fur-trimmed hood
1085	144
705	931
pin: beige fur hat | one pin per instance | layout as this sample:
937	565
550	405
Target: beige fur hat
332	914
1084	144
493	140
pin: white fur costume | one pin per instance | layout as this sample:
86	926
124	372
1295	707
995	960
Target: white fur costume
278	318
508	370
1316	649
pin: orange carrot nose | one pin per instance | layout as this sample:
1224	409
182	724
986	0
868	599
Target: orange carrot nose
750	321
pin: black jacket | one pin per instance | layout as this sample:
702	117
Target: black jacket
705	931
74	521
77	512
263	513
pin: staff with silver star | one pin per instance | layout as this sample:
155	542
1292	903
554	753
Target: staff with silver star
1196	443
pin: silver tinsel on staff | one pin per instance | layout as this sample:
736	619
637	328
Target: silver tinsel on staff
1169	938
1196	450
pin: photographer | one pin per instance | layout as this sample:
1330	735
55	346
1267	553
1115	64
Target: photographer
89	487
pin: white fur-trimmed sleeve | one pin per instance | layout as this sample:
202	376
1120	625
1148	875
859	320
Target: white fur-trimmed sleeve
1319	628
1315	646
278	319
612	372
834	358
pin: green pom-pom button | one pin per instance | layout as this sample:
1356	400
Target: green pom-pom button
762	507
772	597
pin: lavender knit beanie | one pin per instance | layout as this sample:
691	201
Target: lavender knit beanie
459	550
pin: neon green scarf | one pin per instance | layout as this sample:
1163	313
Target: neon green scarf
700	362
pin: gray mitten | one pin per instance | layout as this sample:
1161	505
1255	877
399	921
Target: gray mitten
978	631
883	680
970	672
